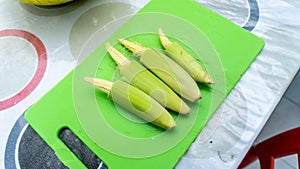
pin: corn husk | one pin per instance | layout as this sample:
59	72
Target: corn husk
135	101
185	60
140	77
167	70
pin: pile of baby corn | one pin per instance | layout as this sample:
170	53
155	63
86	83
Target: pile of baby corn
155	84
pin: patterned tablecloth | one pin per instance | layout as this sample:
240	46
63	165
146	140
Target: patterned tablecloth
26	74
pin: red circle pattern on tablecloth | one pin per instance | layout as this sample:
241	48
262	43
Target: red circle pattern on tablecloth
40	70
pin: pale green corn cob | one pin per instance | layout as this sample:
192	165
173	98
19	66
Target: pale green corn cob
166	69
140	77
185	60
135	101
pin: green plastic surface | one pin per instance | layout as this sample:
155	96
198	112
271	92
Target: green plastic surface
119	138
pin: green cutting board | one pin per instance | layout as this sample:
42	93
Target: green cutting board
117	137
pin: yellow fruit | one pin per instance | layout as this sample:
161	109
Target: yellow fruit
45	2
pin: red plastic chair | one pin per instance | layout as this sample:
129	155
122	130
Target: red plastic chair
283	144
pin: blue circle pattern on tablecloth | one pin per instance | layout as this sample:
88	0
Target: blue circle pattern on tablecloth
9	159
253	17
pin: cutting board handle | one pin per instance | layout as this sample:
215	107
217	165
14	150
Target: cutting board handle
63	152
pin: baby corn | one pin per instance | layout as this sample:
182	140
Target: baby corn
185	60
166	69
143	79
135	101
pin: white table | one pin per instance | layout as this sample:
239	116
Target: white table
231	131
